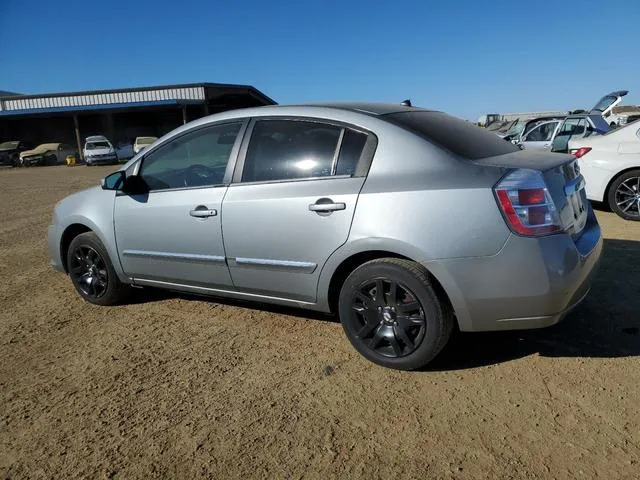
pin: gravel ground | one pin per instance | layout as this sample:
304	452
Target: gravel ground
177	387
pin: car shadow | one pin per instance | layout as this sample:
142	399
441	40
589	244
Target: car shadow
605	325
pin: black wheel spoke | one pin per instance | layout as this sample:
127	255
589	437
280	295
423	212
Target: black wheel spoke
397	349
401	333
377	338
366	301
392	298
89	271
380	292
408	307
367	329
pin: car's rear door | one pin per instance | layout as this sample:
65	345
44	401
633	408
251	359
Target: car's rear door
292	202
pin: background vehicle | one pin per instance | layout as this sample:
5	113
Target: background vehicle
47	154
522	126
610	164
98	150
143	142
540	136
260	204
10	152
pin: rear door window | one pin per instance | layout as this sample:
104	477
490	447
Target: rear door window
459	137
295	149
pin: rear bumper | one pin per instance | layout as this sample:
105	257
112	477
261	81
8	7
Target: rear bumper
530	283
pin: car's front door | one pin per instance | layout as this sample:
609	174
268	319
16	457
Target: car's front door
291	204
539	137
172	235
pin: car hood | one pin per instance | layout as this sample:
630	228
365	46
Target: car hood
35	151
606	103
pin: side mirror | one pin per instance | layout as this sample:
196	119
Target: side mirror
115	181
135	185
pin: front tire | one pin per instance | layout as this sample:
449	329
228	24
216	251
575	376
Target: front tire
624	195
392	315
92	272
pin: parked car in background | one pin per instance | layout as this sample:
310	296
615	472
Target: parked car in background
10	152
521	127
98	150
346	208
47	154
610	164
143	142
540	136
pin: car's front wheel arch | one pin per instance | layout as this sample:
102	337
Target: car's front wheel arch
71	232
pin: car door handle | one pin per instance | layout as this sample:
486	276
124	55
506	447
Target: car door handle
202	211
326	207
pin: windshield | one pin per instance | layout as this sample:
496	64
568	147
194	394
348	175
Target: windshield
517	128
457	136
97	145
8	145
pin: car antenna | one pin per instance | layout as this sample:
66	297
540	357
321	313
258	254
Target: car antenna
406	103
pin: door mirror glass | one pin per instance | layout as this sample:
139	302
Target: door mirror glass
115	181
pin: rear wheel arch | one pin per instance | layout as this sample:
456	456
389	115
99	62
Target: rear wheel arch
605	198
352	262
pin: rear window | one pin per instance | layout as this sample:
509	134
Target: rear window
459	137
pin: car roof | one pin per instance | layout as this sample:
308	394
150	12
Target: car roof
370	108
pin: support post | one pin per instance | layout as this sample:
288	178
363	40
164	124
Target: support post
78	141
184	114
206	109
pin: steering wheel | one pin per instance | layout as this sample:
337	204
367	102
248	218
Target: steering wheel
198	174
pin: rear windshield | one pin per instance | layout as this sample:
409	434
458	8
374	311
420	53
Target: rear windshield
7	145
97	145
462	138
145	140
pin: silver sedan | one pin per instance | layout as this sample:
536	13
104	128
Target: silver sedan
404	222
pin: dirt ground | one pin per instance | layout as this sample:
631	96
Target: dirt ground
177	387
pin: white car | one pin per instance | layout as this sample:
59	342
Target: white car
98	150
610	165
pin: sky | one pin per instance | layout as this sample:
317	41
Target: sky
463	57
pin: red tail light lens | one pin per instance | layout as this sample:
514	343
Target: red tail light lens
526	204
582	151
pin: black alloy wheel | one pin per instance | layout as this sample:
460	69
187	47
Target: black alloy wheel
89	271
388	317
624	195
392	315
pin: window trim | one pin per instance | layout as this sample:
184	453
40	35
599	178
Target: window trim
362	165
233	156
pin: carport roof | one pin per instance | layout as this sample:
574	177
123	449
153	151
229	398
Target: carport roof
125	98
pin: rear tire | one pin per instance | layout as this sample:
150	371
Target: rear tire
624	195
92	272
404	327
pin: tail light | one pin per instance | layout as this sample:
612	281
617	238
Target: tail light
527	206
582	151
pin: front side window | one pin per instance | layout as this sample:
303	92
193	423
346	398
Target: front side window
290	149
196	159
